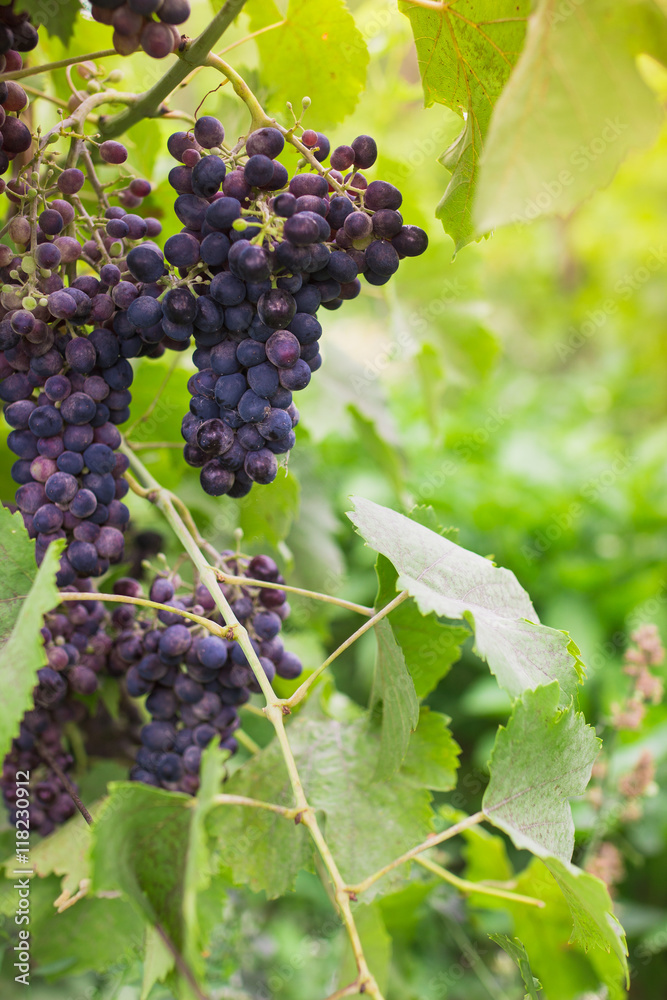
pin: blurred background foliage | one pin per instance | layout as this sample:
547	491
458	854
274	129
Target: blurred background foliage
518	388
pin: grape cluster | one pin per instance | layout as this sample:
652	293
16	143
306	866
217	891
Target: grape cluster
146	24
64	365
194	681
77	647
258	254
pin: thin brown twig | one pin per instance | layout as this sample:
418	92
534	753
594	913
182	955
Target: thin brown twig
69	787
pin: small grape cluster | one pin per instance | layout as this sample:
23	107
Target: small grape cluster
258	254
17	35
146	24
77	645
194	681
64	353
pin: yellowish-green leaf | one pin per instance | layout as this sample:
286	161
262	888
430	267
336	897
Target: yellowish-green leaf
466	52
545	154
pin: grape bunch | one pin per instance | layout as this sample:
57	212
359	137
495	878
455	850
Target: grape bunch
194	681
64	351
146	24
77	646
258	254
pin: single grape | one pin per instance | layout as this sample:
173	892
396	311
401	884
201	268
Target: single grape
113	152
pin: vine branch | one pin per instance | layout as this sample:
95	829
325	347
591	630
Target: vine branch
192	53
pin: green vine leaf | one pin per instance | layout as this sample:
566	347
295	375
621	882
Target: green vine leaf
451	581
543	756
517	952
26	594
547	935
547	156
58	18
267	515
317	51
394	691
367	823
429	646
151	845
433	754
466	52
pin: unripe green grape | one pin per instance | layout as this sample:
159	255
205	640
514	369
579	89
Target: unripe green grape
29	303
28	264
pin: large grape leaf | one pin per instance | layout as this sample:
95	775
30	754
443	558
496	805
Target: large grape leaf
261	849
429	646
150	845
367	823
543	756
451	581
552	143
466	51
58	17
268	515
394	691
26	594
140	845
317	52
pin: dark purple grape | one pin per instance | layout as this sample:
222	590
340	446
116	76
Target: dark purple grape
145	264
113	152
258	170
261	466
276	308
365	151
216	480
209	132
410	241
182	250
382	258
208	175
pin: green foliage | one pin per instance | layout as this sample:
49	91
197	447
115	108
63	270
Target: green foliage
516	950
547	156
394	691
26	593
431	760
336	765
450	581
466	53
59	18
429	646
543	756
316	51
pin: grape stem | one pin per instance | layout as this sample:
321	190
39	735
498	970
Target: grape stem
260	118
20	74
192	53
447	834
180	963
246	581
465	886
303	690
242	800
274	710
47	756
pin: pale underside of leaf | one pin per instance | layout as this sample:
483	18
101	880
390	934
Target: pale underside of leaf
452	582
